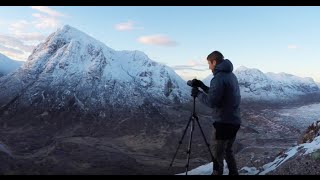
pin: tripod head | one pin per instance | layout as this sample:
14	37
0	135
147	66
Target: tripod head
194	92
194	85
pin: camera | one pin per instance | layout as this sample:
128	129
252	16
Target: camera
193	83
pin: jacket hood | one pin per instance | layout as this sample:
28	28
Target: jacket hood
224	66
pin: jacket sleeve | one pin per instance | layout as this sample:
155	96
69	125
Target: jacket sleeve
205	88
214	95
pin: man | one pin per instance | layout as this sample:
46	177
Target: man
223	96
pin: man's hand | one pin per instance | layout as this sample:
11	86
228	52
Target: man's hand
198	83
194	92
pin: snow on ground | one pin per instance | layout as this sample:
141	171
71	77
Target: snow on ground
302	149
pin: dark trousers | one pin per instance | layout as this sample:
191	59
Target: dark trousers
222	149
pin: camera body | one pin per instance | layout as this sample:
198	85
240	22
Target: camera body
193	83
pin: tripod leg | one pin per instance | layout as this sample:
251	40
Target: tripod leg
205	140
189	146
180	142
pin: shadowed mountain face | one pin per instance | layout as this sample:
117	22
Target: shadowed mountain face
79	107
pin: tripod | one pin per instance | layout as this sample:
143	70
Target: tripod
193	118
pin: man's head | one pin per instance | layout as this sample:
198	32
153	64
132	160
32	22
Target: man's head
214	59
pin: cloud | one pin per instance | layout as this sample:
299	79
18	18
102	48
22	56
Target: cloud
18	30
17	43
12	42
46	18
192	69
8	50
198	63
192	65
292	46
44	22
32	36
47	10
187	67
13	53
19	26
185	76
158	39
126	26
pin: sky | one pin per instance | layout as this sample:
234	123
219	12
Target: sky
269	38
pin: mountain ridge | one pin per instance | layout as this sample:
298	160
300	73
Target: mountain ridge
258	86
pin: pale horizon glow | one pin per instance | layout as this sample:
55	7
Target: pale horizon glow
271	39
157	39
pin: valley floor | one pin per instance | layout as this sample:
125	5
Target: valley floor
265	133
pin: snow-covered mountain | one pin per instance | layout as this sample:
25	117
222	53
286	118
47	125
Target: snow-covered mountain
256	85
8	65
72	68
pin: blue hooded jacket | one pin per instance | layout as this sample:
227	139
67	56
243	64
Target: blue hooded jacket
223	95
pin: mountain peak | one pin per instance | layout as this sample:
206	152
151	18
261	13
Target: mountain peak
69	31
242	68
79	66
67	27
